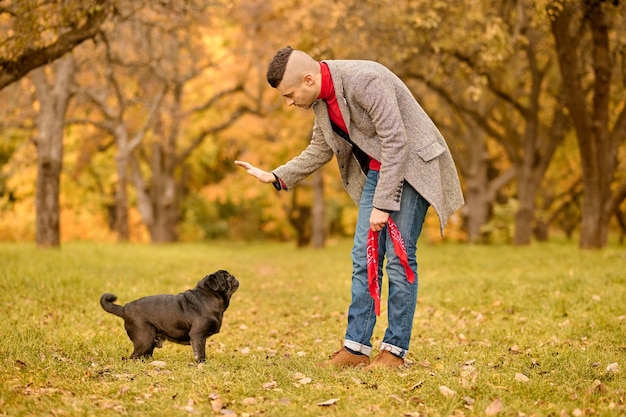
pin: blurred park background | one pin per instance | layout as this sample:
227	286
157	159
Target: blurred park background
120	119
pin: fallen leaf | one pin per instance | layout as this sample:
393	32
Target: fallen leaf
598	386
270	385
328	402
446	392
514	349
158	364
468	400
521	377
612	368
113	405
249	401
217	405
494	408
469	375
298	375
305	381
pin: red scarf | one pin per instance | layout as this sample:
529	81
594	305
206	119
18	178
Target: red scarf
372	260
327	93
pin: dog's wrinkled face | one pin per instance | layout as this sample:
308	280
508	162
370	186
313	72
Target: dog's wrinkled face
221	282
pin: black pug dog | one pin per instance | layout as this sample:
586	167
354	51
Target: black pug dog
186	318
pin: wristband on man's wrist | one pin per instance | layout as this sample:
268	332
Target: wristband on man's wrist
278	184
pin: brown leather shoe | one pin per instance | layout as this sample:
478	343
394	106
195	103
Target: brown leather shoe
344	359
385	359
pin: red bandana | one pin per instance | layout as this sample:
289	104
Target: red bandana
372	260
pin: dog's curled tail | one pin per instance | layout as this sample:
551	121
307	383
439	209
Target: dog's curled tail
106	301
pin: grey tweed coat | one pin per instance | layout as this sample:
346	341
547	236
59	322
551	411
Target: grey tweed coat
387	123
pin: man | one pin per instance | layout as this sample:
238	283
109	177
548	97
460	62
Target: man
394	163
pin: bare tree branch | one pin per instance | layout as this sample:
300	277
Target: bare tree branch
197	140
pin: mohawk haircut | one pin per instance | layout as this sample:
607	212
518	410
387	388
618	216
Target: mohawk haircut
276	68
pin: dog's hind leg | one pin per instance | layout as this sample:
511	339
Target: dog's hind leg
144	340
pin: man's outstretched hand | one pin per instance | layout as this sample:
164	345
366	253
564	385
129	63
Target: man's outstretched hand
259	174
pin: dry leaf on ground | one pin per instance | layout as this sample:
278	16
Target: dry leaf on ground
494	408
612	368
447	392
519	377
328	402
270	385
217	405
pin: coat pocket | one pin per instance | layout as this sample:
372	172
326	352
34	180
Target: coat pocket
431	151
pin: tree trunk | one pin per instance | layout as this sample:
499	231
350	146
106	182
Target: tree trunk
165	198
525	213
300	218
481	188
122	227
598	153
476	211
318	220
53	101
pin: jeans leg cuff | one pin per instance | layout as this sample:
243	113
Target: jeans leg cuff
394	349
358	347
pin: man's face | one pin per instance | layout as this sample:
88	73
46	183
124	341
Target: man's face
301	93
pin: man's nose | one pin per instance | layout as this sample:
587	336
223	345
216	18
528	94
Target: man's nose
290	101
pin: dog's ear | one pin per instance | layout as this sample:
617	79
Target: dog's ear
215	282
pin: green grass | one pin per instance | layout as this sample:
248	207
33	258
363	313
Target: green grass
549	312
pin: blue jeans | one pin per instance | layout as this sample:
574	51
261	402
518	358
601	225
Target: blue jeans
402	295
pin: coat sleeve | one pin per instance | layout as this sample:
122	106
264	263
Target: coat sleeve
313	157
